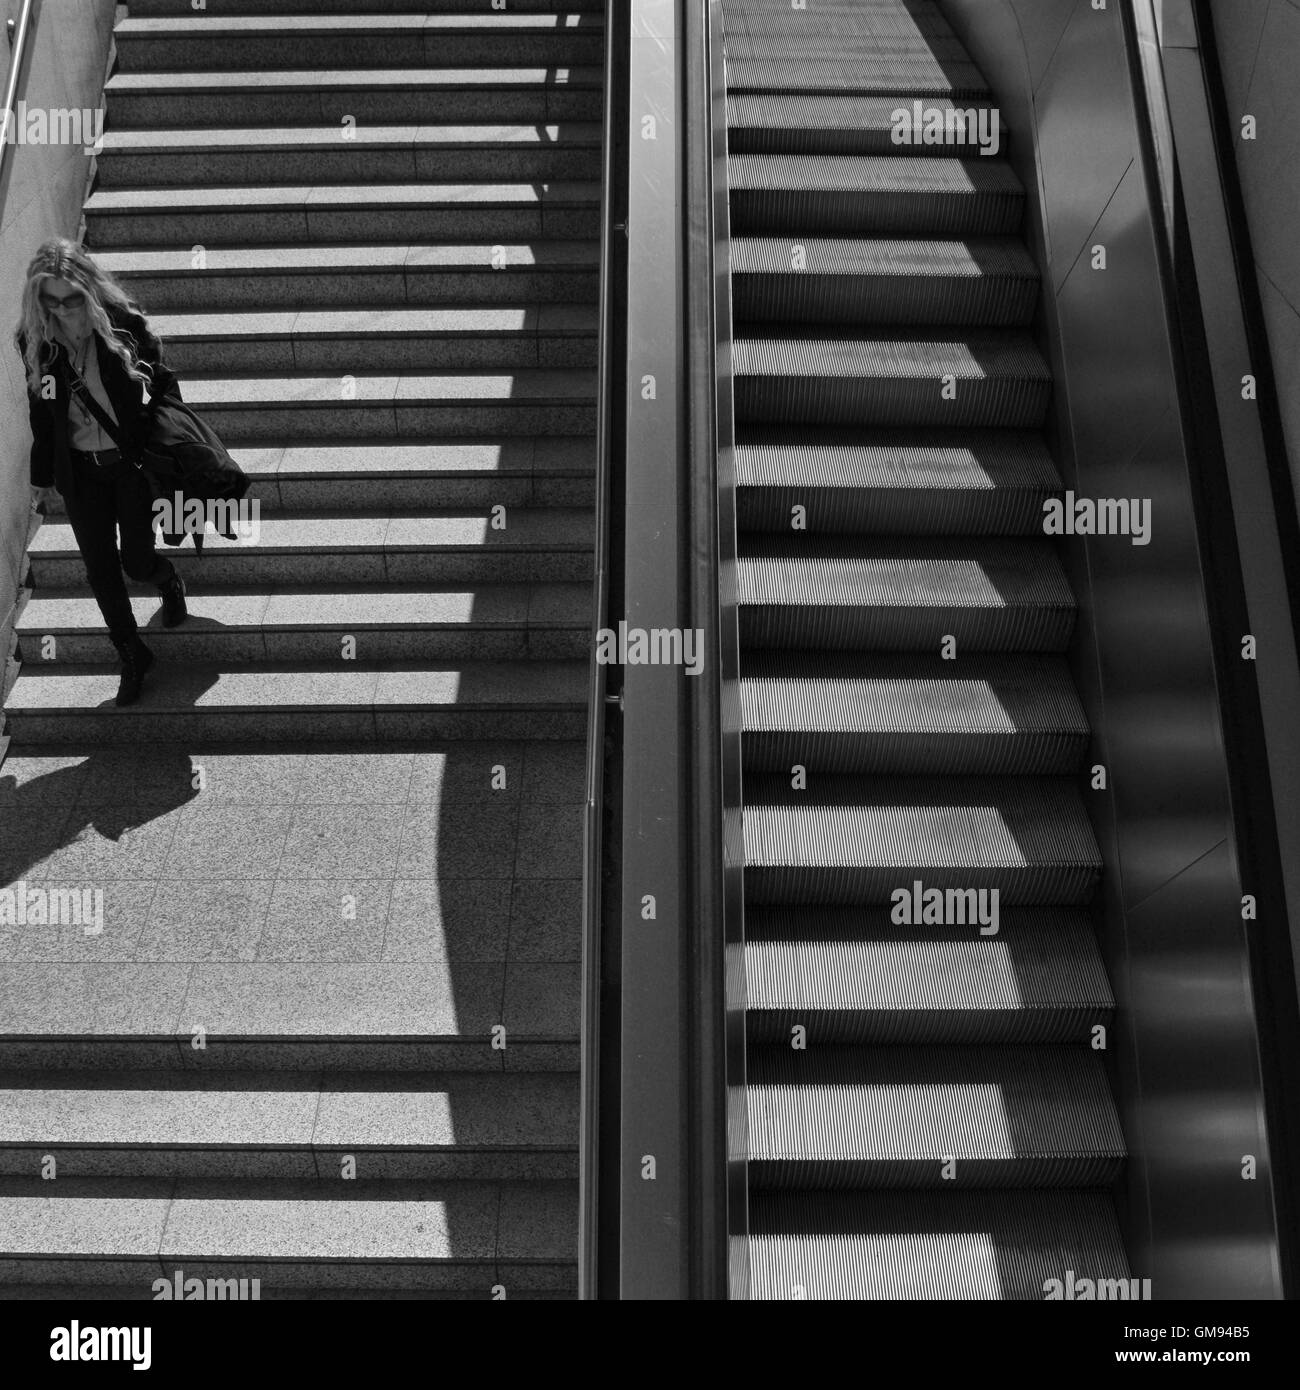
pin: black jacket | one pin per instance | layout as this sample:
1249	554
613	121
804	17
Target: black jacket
50	463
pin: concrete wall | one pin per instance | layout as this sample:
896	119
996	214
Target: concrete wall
1259	53
44	190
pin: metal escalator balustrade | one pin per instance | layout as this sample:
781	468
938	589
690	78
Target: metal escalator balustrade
929	1113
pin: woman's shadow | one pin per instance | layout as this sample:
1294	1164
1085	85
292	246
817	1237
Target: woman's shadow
112	790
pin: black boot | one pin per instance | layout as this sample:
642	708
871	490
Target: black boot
136	661
174	611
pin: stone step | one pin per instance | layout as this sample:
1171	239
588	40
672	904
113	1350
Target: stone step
141	1293
361	477
371	277
297	1010
463	1126
163	9
406	406
373	96
269	703
328	214
278	343
267	42
425	1235
451	547
490	623
349	154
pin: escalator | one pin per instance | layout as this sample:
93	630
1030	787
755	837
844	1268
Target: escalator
929	1109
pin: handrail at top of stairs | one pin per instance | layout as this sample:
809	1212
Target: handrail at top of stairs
19	32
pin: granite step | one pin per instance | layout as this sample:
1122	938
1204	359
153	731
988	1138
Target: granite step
278	702
324	215
352	277
362	476
425	1235
232	627
295	1015
453	547
163	9
279	343
349	154
406	405
371	96
462	1126
267	42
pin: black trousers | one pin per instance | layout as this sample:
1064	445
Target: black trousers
101	503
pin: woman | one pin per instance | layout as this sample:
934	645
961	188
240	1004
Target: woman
89	356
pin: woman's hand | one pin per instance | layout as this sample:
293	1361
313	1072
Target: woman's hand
42	497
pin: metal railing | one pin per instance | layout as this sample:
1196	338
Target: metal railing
1245	510
653	1132
599	1064
19	32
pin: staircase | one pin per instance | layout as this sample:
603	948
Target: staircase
327	1036
927	1115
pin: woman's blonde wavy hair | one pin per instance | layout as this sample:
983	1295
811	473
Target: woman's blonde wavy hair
62	259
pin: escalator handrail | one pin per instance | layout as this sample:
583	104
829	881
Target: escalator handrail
1256	845
708	411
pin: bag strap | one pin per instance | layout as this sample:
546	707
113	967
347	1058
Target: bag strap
83	394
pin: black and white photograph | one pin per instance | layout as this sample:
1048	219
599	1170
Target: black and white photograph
649	652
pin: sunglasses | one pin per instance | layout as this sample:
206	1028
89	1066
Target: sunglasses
75	300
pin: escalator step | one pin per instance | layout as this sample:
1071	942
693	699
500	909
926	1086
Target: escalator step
778	16
775	14
992	283
894	483
830	1117
853	976
867	195
918	75
916	379
857	839
908	1245
788	123
848	43
910	714
902	595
